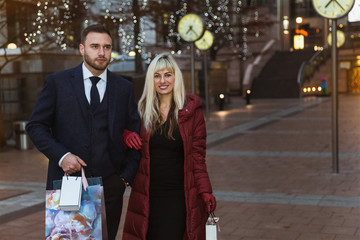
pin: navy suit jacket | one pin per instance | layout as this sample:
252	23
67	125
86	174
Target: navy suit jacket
59	122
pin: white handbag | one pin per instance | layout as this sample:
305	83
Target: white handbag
212	227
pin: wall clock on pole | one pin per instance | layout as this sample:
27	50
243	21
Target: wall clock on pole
333	9
340	36
191	28
206	41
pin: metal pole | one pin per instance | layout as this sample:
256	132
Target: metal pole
326	30
206	86
241	76
279	12
335	138
192	68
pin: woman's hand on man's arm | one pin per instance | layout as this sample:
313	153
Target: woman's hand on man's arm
132	139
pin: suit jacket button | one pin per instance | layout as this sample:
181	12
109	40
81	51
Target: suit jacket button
86	146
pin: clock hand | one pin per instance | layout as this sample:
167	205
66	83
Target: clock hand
339	5
194	33
328	3
190	29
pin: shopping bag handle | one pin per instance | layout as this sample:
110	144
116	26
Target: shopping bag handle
212	215
215	220
85	183
83	179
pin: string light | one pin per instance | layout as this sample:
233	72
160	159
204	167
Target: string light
51	22
53	18
216	18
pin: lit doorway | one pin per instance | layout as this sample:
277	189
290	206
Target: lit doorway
355	80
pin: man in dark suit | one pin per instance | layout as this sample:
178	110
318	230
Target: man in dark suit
79	119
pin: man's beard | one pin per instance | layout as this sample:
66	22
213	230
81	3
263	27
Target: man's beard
92	63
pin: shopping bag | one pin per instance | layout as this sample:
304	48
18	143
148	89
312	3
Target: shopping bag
86	224
211	227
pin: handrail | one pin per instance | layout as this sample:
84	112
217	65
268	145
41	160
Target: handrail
301	71
248	74
313	58
308	68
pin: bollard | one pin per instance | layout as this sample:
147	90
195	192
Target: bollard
221	101
22	139
247	97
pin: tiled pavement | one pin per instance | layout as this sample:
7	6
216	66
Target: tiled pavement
271	168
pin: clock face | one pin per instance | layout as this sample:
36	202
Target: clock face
333	8
190	27
206	41
340	38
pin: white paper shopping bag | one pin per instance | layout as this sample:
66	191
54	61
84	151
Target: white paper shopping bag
211	227
211	232
70	194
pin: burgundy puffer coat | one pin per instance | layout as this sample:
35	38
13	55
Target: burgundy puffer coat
196	180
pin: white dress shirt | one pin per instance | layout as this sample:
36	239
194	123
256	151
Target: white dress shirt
101	85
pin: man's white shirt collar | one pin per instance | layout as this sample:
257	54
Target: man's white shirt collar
87	74
101	85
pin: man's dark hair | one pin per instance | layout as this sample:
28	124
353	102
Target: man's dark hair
98	28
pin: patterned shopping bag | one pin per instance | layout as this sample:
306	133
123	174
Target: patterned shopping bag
86	224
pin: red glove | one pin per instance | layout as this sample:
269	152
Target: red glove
132	139
209	201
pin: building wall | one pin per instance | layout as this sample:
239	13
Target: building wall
21	82
3	30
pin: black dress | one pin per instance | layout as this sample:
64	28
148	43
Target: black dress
167	219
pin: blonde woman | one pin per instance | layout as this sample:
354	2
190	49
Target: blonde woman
171	194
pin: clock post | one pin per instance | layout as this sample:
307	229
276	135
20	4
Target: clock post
192	53
204	43
190	29
334	9
335	101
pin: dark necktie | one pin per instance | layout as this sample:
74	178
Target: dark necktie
94	93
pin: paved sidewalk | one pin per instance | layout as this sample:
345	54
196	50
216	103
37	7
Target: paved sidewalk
270	165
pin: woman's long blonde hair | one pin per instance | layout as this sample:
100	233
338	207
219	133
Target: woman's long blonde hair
149	104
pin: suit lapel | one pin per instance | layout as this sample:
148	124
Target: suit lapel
110	89
77	83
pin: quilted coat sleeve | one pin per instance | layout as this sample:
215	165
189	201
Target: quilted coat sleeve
199	152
